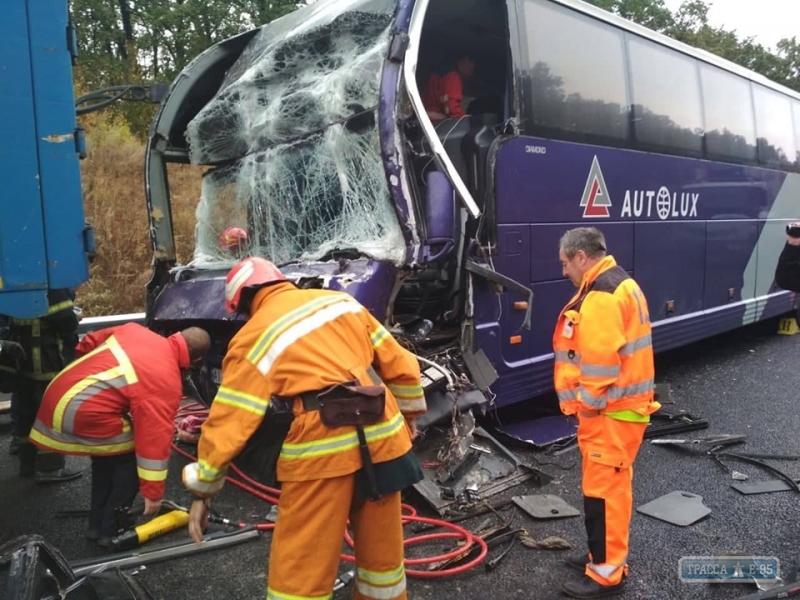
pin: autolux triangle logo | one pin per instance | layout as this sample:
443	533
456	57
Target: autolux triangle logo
728	569
596	199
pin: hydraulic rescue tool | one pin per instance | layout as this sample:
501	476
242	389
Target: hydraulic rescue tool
151	529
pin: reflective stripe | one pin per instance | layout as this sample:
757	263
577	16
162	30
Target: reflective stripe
341	443
60	306
208	473
152	470
149	475
266	339
410	397
379	336
116	377
412	405
568	395
616	393
302	328
381	585
630	416
563	356
411	392
589	400
604	571
71	408
73	444
588	370
273	595
637	344
153	465
241	400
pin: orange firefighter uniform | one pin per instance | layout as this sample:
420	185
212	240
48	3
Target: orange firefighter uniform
300	341
604	374
120	396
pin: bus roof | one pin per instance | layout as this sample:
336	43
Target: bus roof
708	57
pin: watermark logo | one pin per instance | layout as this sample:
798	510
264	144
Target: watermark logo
729	569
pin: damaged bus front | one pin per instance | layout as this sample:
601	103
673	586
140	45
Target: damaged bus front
317	155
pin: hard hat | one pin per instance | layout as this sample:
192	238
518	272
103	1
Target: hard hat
233	237
250	274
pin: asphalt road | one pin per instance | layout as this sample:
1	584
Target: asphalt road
744	382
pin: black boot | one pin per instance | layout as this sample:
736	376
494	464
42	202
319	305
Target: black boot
587	587
27	459
51	468
578	561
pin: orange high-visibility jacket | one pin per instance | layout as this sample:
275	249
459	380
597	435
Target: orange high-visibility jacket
603	346
120	395
300	341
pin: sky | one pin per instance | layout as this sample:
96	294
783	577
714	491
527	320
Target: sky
772	21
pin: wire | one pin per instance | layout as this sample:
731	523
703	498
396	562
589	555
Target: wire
440	368
470	541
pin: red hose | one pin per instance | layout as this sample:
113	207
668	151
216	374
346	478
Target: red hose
271	495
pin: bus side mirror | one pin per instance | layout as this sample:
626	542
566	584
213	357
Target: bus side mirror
440	216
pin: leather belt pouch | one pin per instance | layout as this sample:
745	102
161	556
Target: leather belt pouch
351	404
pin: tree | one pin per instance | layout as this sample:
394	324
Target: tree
148	41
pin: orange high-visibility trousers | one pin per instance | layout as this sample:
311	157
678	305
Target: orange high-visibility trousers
307	542
608	449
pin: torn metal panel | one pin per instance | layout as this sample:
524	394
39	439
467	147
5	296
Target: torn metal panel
542	432
469	466
763	487
546	506
679	508
440	406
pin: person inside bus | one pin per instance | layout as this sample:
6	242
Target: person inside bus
604	371
444	94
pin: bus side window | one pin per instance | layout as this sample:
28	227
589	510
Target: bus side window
577	78
729	116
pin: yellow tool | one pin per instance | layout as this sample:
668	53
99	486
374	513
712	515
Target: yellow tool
151	529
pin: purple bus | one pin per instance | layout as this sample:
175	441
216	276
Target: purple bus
316	143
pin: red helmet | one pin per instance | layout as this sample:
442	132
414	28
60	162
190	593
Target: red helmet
253	272
232	238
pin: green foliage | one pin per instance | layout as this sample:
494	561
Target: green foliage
147	41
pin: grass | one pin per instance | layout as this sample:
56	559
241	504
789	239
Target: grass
114	200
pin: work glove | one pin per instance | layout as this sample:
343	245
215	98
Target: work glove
13	349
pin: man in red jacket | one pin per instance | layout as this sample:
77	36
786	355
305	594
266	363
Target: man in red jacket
444	94
117	403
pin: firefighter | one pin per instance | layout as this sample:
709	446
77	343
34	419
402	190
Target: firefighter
46	341
604	374
117	404
444	94
284	366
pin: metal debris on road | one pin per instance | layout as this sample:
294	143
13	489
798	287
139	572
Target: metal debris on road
679	508
545	506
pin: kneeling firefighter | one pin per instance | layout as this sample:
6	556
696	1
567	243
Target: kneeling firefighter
340	396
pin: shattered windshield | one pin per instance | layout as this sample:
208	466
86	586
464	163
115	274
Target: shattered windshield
293	139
